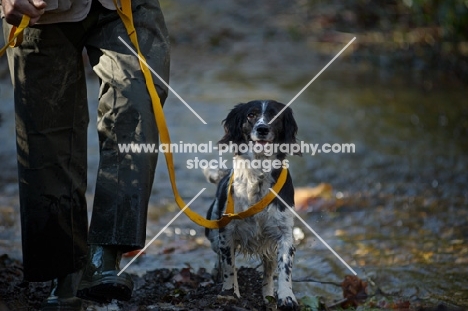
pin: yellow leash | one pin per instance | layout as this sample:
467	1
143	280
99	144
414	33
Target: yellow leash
16	34
127	17
125	13
260	205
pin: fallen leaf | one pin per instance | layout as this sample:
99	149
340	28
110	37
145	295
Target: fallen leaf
402	305
354	290
184	277
168	250
305	196
133	253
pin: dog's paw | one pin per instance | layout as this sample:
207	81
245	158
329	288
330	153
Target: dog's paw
287	303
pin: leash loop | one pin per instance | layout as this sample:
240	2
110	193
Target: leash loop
125	13
16	34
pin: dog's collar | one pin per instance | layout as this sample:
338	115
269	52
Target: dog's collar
260	205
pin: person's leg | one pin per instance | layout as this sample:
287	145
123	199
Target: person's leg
51	129
125	115
51	125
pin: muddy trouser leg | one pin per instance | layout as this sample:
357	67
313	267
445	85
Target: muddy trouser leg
51	127
125	116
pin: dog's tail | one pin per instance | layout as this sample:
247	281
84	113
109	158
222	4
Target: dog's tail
215	175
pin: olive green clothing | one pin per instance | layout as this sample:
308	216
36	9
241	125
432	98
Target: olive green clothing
51	125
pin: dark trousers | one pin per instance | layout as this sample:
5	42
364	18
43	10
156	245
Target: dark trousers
51	126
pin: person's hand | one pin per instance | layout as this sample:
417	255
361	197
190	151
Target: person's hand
15	9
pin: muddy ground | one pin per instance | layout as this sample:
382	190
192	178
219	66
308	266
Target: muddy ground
186	289
397	211
162	289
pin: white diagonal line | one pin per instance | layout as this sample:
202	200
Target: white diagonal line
161	231
316	76
313	231
161	79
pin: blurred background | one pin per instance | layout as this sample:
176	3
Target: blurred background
395	210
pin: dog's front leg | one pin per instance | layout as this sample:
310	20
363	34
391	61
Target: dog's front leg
269	267
286	250
228	266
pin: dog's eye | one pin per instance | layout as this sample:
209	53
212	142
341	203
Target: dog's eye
251	115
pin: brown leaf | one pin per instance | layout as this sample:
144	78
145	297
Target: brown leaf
133	253
390	305
184	278
303	197
168	250
354	290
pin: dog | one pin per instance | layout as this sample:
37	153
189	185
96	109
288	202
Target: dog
268	234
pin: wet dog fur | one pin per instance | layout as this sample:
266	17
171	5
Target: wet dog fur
268	234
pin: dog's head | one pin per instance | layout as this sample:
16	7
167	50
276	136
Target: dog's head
251	122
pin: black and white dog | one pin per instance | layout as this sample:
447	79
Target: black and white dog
268	234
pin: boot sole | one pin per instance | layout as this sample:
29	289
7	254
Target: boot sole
106	288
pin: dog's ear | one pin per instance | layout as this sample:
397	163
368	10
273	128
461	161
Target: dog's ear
289	128
233	125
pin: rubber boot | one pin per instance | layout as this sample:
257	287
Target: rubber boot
62	295
100	282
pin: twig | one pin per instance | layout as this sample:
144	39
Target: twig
336	303
316	281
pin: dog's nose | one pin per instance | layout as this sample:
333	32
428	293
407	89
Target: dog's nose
263	130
